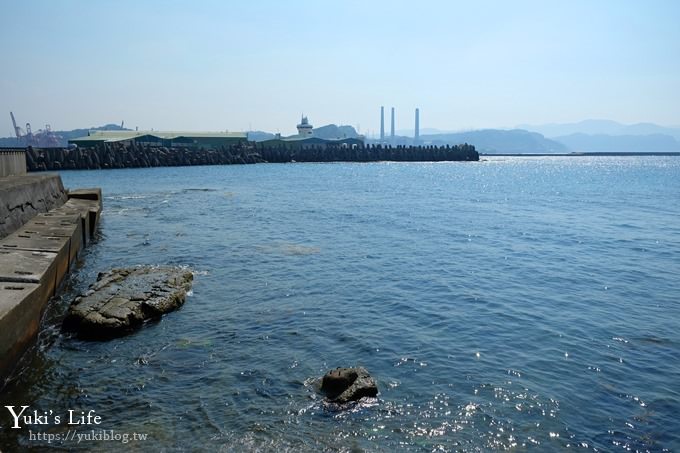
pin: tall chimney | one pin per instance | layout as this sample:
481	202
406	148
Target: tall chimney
382	123
392	126
416	137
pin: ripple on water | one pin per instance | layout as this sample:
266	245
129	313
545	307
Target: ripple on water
512	304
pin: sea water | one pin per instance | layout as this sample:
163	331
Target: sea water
512	303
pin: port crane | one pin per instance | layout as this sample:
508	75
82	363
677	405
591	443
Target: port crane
43	138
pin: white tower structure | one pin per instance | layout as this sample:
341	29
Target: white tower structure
304	128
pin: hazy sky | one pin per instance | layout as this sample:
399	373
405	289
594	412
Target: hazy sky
228	65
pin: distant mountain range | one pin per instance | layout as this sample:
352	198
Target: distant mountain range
499	141
485	141
619	143
585	136
607	135
601	127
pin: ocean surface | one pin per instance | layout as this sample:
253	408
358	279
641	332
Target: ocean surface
509	304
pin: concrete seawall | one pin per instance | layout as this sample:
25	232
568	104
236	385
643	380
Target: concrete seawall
23	197
37	255
12	162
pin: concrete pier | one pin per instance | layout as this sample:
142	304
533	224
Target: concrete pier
37	255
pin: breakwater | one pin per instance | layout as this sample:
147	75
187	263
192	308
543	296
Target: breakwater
136	156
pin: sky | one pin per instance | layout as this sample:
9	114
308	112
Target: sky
258	65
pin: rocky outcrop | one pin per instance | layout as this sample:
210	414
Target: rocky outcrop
133	156
122	299
343	385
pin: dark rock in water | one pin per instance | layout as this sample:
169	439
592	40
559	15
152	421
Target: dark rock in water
122	299
342	385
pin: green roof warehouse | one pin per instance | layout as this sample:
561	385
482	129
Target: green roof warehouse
165	139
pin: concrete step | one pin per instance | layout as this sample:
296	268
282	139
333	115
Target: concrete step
86	194
25	266
71	230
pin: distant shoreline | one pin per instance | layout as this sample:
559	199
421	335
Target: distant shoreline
585	154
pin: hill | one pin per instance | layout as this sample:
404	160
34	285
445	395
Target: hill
260	136
329	131
64	136
601	127
499	141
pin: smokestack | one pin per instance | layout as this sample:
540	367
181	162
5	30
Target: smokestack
417	134
382	123
392	126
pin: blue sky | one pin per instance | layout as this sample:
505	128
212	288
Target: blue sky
218	65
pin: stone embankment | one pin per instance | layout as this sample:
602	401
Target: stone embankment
36	255
133	156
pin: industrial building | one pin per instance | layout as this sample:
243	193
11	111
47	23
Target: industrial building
312	142
305	139
164	139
